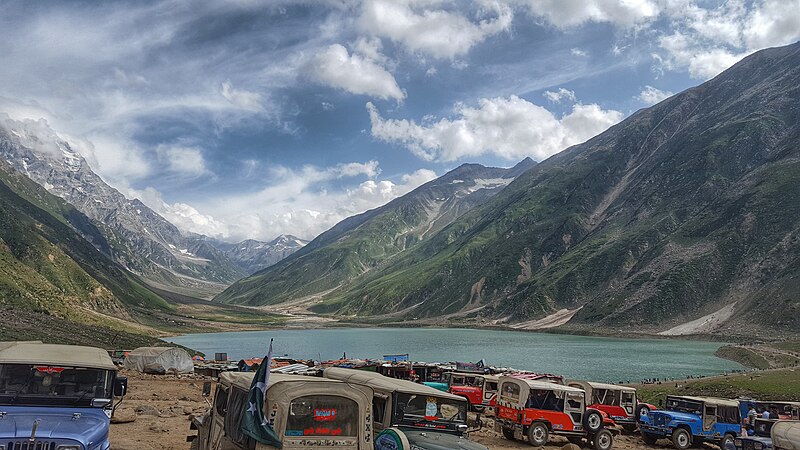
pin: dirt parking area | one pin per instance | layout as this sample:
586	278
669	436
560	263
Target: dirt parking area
161	406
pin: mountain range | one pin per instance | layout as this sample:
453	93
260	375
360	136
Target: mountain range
682	219
132	234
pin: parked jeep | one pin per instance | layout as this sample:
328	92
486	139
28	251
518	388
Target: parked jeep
410	415
619	402
693	420
786	435
536	409
467	385
56	397
759	440
304	411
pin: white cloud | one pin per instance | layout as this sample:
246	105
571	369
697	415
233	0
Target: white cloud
651	95
511	128
560	94
579	52
242	99
300	201
707	41
183	159
356	73
569	13
440	33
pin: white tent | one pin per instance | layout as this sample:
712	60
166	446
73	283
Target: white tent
159	360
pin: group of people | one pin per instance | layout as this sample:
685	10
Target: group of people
764	413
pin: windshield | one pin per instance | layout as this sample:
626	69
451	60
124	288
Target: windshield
683	405
50	385
411	408
322	415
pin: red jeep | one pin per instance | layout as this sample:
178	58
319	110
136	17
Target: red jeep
535	409
467	385
619	402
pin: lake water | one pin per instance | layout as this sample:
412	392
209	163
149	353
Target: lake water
579	357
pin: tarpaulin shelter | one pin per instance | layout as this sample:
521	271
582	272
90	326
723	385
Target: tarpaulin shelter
159	360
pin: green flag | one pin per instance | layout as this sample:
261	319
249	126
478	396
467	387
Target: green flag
254	424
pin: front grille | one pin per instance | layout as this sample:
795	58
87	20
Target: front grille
28	445
747	445
659	420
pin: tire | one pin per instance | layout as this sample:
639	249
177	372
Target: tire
508	433
727	439
538	434
681	439
641	409
648	438
603	440
593	421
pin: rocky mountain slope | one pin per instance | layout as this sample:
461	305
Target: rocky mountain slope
252	255
682	219
363	242
53	281
134	235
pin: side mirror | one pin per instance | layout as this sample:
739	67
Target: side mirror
206	389
120	386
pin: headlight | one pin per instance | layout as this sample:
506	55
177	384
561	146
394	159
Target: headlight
758	445
68	447
737	442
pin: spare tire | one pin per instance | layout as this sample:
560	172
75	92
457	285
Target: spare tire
593	420
641	408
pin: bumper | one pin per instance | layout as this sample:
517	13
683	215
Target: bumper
655	430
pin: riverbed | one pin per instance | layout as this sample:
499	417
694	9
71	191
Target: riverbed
577	357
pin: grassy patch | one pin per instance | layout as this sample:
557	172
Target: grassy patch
743	356
783	384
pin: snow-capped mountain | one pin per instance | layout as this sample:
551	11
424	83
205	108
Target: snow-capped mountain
136	237
252	255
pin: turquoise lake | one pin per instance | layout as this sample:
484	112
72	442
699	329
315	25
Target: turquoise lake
578	357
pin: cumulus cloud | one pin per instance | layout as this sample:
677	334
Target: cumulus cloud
651	95
569	13
300	201
356	73
510	127
242	99
429	29
707	41
186	160
560	94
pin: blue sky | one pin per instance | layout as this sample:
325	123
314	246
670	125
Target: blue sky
247	119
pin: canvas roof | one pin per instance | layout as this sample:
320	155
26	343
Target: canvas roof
543	385
243	380
55	355
712	400
613	387
379	382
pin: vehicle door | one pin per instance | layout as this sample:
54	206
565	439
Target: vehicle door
628	402
709	417
489	391
574	407
218	417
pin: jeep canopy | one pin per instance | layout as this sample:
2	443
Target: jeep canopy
159	360
384	384
55	355
786	435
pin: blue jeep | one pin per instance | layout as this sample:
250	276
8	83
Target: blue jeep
693	420
56	397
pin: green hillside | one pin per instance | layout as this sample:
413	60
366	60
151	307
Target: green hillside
50	272
681	210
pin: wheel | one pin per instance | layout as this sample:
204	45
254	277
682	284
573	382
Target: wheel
593	421
726	442
538	434
508	433
603	440
641	410
681	439
648	438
